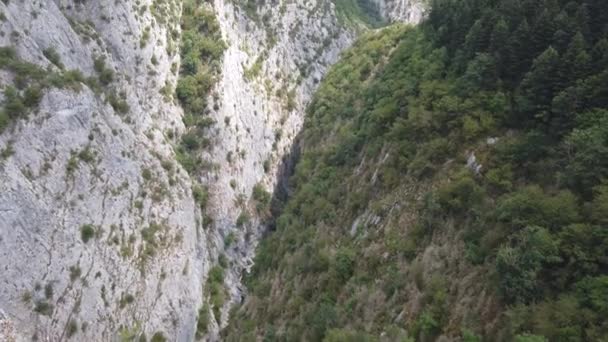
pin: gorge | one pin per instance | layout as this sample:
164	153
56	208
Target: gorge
304	170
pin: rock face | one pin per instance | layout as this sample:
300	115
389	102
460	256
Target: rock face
78	165
410	11
100	237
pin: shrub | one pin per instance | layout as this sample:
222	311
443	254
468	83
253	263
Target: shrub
518	267
202	321
158	337
119	104
146	174
460	195
13	103
344	263
106	76
32	96
201	195
43	308
190	141
52	55
262	196
4	120
243	219
75	272
72	328
86	155
87	231
229	239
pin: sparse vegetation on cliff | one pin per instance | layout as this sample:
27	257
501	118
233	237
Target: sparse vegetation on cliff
201	51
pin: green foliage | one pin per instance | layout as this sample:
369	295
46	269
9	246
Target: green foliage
344	263
460	195
262	197
30	83
529	338
519	267
72	328
106	75
87	231
201	51
43	308
118	102
158	337
52	55
215	290
343	335
201	195
243	219
202	321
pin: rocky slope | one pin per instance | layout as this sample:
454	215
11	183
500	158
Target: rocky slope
100	236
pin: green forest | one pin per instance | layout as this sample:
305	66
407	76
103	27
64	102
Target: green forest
382	182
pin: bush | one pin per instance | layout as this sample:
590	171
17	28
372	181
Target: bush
32	96
158	337
72	328
518	267
261	196
345	335
52	55
87	232
344	263
201	195
202	321
119	104
43	308
460	195
530	206
529	338
13	103
146	174
4	120
243	219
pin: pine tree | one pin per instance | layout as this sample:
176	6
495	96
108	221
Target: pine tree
475	40
542	32
600	55
537	88
519	52
575	62
582	21
498	46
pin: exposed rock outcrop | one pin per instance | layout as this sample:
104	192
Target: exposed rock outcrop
78	167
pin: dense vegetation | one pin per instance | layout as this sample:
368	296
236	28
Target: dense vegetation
387	138
201	50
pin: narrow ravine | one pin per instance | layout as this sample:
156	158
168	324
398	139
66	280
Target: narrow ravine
275	58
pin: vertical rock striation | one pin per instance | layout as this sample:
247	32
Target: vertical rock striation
99	235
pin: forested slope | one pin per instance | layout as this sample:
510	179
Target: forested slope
453	182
